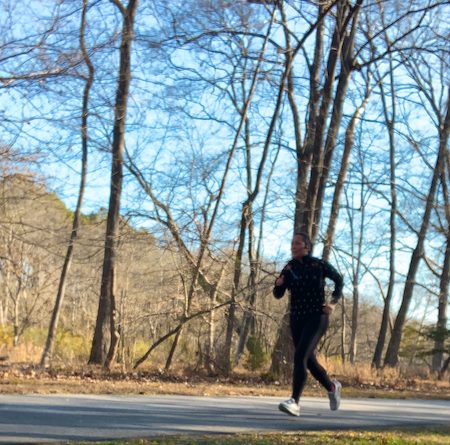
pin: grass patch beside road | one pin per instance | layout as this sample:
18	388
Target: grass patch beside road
15	379
429	436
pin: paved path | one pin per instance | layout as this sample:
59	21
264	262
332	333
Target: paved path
55	418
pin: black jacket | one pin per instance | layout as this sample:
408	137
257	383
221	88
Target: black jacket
305	279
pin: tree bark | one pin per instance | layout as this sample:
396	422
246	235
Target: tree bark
105	332
343	330
355	285
391	358
342	175
49	344
441	324
347	62
304	150
390	123
210	358
282	354
321	122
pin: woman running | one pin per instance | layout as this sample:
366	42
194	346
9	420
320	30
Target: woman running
304	276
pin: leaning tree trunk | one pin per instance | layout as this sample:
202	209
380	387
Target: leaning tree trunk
390	123
391	358
49	344
105	338
245	220
441	324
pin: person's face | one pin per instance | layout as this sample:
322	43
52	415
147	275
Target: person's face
298	247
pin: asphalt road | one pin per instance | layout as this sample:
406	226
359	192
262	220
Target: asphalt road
38	419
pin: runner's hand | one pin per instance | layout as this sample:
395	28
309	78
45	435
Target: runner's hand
280	280
328	308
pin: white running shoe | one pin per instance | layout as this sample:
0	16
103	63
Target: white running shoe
290	407
335	396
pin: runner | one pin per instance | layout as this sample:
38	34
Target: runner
304	276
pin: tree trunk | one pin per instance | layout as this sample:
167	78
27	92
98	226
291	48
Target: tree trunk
343	330
391	358
356	269
348	146
347	60
172	350
247	209
283	352
210	359
248	324
354	330
444	368
310	153
390	123
48	349
247	225
321	122
304	150
104	335
282	355
114	331
227	362
441	324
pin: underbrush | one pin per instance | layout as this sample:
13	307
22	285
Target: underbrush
30	378
20	371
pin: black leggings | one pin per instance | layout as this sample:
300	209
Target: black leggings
306	333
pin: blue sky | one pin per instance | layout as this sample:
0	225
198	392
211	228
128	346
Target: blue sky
42	117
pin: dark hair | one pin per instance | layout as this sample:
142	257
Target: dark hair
306	239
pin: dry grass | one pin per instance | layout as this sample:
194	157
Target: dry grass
358	381
20	374
429	436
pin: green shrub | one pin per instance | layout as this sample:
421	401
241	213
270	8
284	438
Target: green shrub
257	357
71	348
6	336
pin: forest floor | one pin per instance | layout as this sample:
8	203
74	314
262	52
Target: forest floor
31	379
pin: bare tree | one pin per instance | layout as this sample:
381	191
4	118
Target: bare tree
390	116
105	340
441	331
357	220
314	153
48	349
315	145
391	358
